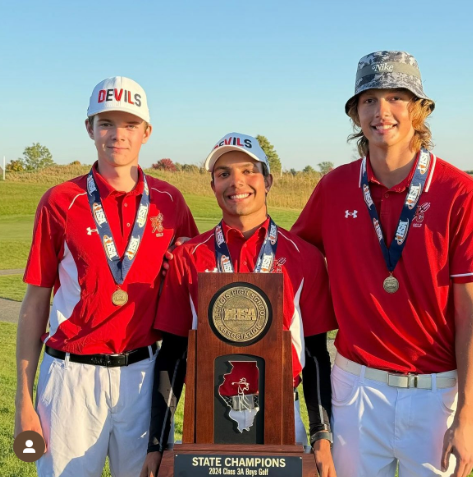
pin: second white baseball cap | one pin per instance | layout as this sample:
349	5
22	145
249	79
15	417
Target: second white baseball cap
119	94
236	142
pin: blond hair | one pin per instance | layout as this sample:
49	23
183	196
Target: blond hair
419	109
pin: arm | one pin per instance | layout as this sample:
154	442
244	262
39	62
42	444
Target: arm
169	374
32	323
318	397
459	437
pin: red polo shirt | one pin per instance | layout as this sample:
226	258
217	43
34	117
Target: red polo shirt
413	329
67	254
307	306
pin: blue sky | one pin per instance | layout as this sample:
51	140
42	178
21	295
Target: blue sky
283	69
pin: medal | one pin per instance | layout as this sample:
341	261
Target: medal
393	254
390	284
119	268
119	297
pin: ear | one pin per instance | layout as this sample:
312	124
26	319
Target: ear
268	183
147	134
213	186
90	129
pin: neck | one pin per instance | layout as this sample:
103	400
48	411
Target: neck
123	179
391	166
248	224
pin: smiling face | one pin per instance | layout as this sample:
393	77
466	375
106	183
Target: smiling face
118	137
240	188
385	118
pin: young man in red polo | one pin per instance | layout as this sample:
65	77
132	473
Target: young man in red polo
246	240
98	244
396	228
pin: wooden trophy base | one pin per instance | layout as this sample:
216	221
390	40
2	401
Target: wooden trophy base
309	468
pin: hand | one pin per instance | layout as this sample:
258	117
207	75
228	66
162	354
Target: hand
323	458
168	256
27	419
151	464
458	440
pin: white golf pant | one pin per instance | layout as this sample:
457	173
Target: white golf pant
88	412
377	426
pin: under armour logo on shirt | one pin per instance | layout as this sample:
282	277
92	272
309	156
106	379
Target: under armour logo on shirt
90	231
351	214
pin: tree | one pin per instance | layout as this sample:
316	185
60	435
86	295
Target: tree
15	166
37	157
308	170
293	172
165	165
273	158
325	167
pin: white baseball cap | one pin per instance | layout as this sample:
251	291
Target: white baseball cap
119	94
236	142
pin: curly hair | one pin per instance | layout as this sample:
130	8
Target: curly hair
419	109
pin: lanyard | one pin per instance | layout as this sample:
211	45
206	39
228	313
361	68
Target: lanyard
393	254
266	255
119	268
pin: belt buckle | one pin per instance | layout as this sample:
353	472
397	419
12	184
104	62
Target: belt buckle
398	380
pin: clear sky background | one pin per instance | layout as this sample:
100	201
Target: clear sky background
283	69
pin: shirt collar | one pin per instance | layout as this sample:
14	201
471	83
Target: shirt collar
403	185
105	189
232	233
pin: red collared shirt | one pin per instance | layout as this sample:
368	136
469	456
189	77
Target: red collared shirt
413	329
307	307
67	254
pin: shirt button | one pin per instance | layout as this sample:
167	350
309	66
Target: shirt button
128	224
245	263
386	195
125	205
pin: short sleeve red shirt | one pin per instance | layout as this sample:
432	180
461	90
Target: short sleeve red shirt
307	306
413	329
67	254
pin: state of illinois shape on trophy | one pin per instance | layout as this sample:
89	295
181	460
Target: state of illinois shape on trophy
240	314
240	392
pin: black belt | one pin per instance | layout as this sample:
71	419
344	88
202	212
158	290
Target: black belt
108	360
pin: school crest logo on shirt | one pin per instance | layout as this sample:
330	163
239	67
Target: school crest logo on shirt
99	214
157	225
109	247
278	264
420	214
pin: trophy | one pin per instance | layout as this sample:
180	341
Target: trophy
239	403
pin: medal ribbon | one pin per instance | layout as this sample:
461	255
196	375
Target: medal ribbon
266	255
119	268
393	254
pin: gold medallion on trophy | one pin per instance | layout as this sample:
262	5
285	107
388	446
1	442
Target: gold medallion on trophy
239	314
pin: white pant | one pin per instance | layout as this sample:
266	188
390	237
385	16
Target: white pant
376	426
301	434
88	412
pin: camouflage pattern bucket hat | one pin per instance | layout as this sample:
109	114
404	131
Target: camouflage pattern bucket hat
389	70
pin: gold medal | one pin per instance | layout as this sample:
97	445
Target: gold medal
119	297
390	284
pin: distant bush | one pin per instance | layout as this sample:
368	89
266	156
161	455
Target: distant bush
75	163
165	165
